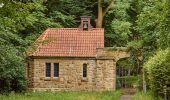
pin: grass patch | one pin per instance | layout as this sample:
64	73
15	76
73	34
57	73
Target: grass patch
109	95
145	96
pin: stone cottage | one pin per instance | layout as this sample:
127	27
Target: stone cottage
72	59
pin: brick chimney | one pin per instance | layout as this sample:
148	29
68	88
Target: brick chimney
85	23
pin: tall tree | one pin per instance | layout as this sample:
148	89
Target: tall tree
15	16
103	7
153	26
117	25
67	12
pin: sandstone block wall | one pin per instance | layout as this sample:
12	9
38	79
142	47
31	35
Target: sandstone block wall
105	75
100	75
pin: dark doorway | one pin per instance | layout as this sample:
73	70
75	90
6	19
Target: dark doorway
126	74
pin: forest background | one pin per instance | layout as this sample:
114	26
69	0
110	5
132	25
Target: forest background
143	26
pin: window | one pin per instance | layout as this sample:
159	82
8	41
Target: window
48	70
56	69
84	70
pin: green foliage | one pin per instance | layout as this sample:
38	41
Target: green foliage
124	62
21	21
11	63
141	25
130	80
153	26
17	15
153	23
11	70
158	69
67	12
112	95
122	28
127	73
163	30
117	25
145	96
135	44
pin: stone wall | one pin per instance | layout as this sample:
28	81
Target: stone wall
101	72
100	75
105	75
114	53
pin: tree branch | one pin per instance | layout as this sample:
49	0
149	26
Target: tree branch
108	7
92	4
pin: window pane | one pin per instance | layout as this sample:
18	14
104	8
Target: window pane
56	69
48	70
84	70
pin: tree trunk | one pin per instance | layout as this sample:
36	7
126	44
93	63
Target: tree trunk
102	13
99	22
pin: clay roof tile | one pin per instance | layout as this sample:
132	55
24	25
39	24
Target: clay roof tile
69	42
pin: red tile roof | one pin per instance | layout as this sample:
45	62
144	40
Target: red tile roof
69	42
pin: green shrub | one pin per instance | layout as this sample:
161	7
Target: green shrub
12	57
145	96
158	71
11	70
